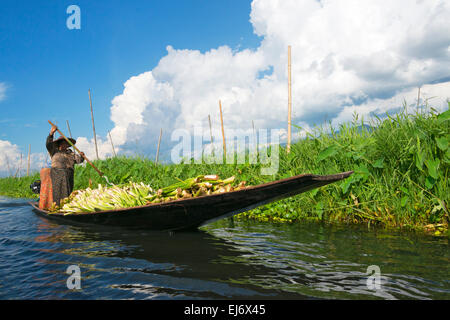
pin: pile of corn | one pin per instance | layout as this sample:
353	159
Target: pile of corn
138	194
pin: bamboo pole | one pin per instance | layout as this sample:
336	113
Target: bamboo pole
28	164
210	133
418	98
223	131
288	149
68	127
256	139
20	165
159	142
56	124
93	126
112	145
9	168
83	155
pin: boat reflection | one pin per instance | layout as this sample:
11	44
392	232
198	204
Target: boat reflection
185	255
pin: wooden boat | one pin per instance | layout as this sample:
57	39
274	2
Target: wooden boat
194	212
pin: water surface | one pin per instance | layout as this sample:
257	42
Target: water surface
224	260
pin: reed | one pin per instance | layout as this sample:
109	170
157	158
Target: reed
401	178
401	166
18	187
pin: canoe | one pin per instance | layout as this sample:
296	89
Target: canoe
191	213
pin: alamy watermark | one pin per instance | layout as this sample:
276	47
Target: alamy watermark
74	280
74	20
373	282
242	146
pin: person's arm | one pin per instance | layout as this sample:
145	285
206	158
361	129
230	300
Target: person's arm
79	158
49	143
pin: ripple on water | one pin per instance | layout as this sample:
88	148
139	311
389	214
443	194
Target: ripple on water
250	260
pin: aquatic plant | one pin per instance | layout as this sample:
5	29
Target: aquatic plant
400	163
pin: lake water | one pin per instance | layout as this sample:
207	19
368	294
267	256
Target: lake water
224	260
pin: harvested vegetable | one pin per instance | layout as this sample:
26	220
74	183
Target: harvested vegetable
139	194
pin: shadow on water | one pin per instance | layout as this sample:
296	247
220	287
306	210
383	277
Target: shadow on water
223	260
194	264
118	263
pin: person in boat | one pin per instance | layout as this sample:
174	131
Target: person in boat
62	168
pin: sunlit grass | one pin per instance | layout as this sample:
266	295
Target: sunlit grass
401	166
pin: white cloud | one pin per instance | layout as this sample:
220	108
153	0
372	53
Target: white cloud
435	96
88	147
346	55
10	154
13	161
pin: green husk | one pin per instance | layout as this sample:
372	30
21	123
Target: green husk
137	194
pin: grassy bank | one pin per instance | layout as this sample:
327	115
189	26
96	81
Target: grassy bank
401	166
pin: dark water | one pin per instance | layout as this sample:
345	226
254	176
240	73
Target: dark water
220	261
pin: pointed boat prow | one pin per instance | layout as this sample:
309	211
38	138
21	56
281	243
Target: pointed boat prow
193	212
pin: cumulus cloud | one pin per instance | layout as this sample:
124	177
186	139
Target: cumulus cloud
436	96
104	147
14	162
347	55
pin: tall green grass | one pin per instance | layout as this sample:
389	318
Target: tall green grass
18	187
400	164
401	172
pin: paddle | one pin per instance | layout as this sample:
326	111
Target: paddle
82	154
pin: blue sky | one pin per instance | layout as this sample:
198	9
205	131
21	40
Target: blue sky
48	68
155	65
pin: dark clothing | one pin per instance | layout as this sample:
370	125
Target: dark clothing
62	170
62	182
62	159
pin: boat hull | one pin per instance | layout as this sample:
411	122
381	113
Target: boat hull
194	212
